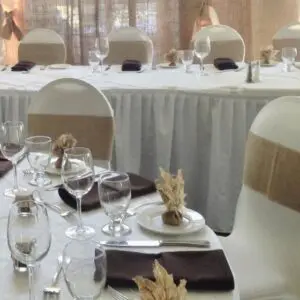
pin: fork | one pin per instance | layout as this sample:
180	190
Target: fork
116	294
133	211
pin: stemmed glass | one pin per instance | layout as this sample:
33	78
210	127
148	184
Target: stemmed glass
28	235
78	177
12	148
115	194
289	55
102	49
84	267
202	50
93	60
38	149
186	57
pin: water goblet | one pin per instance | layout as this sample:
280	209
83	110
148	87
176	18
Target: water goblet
202	50
186	57
28	236
115	194
38	149
93	60
289	55
78	177
102	49
12	147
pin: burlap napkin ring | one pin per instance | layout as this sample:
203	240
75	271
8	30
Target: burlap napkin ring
171	189
163	288
65	141
268	54
172	57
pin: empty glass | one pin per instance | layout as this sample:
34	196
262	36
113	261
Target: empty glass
115	194
93	60
77	174
202	50
38	149
289	55
28	235
84	267
102	49
186	57
12	147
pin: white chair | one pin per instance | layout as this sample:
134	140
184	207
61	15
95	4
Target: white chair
288	36
43	47
129	43
74	106
263	249
225	42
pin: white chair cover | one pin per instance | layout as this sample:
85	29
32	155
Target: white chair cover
73	106
288	36
263	248
225	42
129	43
43	47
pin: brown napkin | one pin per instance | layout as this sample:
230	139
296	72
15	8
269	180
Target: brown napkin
203	270
139	186
5	166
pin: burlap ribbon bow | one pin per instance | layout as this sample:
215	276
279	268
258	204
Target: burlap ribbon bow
10	27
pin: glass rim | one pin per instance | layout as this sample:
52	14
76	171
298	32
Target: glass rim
30	139
13	123
68	151
113	181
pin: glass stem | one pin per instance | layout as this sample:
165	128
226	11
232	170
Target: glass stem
80	224
31	271
16	186
201	66
101	63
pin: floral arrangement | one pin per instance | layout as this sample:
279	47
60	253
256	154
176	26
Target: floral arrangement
163	288
171	189
268	54
172	57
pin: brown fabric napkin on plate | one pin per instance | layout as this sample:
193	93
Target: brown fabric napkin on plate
203	270
139	186
5	166
23	66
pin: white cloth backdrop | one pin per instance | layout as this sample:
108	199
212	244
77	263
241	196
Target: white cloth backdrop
197	125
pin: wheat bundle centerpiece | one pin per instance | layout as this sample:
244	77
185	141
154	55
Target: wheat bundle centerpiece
268	55
171	57
171	189
162	288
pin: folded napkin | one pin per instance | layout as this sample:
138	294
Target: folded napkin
131	65
23	66
225	64
5	166
203	270
139	186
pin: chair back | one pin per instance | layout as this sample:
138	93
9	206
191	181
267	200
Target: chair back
74	106
288	36
129	43
43	47
268	211
225	42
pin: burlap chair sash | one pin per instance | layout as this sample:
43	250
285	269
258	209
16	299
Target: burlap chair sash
42	54
92	132
281	43
122	50
273	170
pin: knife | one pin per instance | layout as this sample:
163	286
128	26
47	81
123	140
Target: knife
156	244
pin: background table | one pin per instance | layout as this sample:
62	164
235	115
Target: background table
15	286
174	120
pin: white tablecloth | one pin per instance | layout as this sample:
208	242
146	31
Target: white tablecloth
175	120
14	285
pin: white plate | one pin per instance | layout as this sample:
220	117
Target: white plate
167	66
150	218
59	66
52	170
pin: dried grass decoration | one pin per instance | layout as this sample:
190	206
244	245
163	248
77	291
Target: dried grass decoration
64	142
163	288
268	54
171	189
172	57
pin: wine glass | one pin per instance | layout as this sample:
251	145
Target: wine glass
186	57
84	267
78	177
12	148
38	150
289	55
202	50
115	194
28	236
102	49
93	60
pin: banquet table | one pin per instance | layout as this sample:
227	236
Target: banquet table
172	119
14	285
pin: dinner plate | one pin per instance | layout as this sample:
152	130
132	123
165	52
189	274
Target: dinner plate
150	219
76	168
167	66
59	66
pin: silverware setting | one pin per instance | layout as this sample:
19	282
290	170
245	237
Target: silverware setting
116	294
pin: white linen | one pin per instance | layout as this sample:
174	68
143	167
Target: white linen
14	286
173	119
